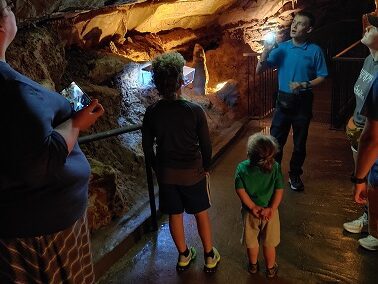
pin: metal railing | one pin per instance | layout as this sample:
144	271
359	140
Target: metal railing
345	71
150	183
262	89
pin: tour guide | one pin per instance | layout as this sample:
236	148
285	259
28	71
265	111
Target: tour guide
301	66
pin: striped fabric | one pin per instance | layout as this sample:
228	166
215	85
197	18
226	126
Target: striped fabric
63	257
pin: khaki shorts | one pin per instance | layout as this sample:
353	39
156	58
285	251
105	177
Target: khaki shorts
268	232
353	133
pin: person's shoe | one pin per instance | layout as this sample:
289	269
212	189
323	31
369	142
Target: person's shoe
369	243
253	268
296	183
272	272
183	262
356	225
211	263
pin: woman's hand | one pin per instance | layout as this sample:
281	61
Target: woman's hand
360	193
86	117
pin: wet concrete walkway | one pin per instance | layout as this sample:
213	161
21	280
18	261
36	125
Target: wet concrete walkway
314	248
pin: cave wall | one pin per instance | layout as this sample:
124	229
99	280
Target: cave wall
95	42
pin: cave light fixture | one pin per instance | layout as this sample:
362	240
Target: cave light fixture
219	86
145	78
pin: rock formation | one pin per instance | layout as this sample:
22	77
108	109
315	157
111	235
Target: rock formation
201	75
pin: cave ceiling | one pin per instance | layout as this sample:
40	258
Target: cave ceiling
89	22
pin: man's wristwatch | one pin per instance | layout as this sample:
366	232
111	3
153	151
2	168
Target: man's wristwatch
356	180
306	84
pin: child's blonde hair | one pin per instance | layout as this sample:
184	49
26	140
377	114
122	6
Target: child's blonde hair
261	150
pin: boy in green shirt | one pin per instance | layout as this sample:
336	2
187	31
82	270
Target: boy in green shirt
259	185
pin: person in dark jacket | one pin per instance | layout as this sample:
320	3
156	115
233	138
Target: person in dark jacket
182	159
44	176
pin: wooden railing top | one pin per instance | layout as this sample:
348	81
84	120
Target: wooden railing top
339	56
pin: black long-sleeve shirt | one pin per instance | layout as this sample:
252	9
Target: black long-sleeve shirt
179	129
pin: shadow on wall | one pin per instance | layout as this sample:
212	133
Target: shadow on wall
92	38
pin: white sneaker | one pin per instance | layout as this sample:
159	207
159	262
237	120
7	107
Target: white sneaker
356	225
369	243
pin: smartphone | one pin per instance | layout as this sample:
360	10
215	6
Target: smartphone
76	96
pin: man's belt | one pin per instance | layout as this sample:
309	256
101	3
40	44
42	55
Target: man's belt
305	92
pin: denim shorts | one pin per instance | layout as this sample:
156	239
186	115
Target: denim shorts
373	175
353	133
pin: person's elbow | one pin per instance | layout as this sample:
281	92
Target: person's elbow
370	133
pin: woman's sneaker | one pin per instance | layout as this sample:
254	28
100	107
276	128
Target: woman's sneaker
356	226
211	263
369	243
272	272
253	268
183	262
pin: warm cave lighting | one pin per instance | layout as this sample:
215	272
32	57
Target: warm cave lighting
270	38
219	86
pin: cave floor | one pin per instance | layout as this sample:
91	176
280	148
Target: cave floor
314	247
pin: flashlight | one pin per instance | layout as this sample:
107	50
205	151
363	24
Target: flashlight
270	38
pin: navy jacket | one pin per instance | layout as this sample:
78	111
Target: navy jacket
43	190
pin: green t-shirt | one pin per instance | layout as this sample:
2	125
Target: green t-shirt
259	185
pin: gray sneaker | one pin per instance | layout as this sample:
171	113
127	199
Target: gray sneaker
369	243
211	263
356	226
272	272
183	262
253	268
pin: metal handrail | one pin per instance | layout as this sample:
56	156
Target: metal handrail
150	183
346	50
109	133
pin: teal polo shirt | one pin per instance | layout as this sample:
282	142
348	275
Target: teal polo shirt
297	63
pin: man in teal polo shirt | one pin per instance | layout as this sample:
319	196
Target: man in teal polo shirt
301	66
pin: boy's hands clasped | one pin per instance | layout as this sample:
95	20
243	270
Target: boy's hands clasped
262	213
266	214
256	211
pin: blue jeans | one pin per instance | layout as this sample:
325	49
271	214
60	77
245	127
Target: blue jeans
281	123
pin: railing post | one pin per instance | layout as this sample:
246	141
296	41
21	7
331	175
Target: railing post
151	194
249	88
257	97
